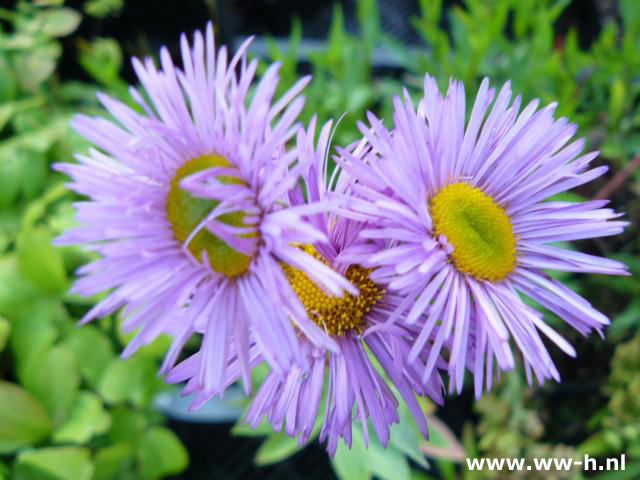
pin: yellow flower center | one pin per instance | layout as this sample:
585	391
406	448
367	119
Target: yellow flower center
337	315
185	212
479	230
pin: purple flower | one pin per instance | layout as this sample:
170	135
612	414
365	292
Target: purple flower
470	220
185	210
353	321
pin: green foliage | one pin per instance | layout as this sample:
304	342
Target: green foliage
69	408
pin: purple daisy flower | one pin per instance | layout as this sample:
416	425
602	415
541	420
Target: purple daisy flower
198	261
353	321
470	225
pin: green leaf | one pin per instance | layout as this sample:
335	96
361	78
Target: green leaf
32	333
133	379
442	442
161	453
102	59
53	377
406	437
8	82
11	169
93	352
114	462
58	22
5	330
631	472
127	426
88	418
16	292
36	65
244	429
349	466
386	464
23	419
103	8
63	463
4	471
39	261
275	448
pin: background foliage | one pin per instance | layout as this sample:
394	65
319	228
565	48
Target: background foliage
71	409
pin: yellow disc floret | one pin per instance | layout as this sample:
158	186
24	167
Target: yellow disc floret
185	212
337	315
484	245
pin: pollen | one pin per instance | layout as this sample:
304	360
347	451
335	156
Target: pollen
484	245
337	315
185	212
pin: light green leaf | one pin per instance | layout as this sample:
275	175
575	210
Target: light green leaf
133	379
63	463
16	292
88	418
244	429
114	462
8	83
348	465
58	22
406	437
275	448
103	8
5	330
23	419
161	453
11	168
127	426
35	65
442	442
386	464
39	261
32	332
102	59
53	377
93	352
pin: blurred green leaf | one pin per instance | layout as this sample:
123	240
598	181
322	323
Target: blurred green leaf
406	437
244	429
88	418
63	463
11	170
103	8
275	448
8	82
39	261
23	419
102	59
32	332
127	426
115	462
59	22
442	442
53	377
161	453
349	466
132	379
93	352
36	65
5	330
631	472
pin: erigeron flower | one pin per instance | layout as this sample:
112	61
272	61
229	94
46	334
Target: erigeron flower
468	214
180	260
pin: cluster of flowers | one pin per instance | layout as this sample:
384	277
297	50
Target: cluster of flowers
216	213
